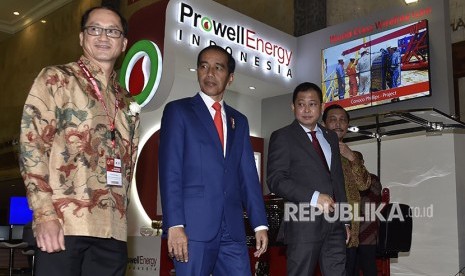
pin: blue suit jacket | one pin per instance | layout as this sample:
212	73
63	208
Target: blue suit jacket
198	184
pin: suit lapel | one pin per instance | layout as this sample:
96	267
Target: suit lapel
204	116
331	145
231	127
303	140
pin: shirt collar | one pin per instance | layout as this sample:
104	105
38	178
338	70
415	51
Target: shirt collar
307	130
209	101
94	69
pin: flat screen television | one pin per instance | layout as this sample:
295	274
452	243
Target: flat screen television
19	212
382	68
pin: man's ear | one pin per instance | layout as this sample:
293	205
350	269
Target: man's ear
81	37
231	78
125	43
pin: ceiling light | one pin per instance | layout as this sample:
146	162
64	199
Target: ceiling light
410	1
353	129
16	13
252	87
192	69
43	21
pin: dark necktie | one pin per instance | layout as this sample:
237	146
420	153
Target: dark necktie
317	147
218	122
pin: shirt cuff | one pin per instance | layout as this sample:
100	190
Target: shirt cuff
174	226
261	227
314	201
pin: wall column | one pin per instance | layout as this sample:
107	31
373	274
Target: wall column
309	16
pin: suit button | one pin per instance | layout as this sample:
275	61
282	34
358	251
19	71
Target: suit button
225	170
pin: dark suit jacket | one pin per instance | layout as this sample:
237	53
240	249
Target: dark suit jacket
295	172
198	184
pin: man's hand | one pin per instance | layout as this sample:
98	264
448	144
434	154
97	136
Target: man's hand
50	236
346	151
261	237
325	203
348	234
177	244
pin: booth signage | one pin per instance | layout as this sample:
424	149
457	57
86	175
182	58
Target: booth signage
245	44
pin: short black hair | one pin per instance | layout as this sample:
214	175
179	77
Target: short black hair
306	86
331	107
86	14
231	61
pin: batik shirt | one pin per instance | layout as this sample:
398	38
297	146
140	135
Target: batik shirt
356	179
65	143
369	229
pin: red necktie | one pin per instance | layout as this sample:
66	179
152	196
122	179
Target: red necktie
317	147
218	122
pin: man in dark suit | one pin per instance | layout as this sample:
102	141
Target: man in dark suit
208	177
304	168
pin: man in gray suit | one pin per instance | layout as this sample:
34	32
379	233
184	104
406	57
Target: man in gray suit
304	168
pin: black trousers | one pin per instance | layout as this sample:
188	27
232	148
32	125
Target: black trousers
367	260
84	256
330	253
351	262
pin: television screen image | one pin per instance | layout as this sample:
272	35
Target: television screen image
4	233
19	213
17	232
386	67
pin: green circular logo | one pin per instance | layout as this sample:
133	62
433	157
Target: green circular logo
141	71
206	24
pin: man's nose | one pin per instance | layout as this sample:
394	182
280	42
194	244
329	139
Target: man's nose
103	35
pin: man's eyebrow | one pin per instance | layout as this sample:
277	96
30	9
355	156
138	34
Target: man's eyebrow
97	24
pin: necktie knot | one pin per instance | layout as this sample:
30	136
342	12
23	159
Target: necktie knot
216	106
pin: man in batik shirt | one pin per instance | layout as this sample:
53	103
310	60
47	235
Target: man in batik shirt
356	176
78	146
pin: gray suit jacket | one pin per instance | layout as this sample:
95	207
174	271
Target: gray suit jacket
295	172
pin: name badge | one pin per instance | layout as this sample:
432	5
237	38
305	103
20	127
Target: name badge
114	176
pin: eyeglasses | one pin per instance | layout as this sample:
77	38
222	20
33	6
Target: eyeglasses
97	31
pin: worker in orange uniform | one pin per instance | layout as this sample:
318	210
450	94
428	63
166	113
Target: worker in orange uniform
352	73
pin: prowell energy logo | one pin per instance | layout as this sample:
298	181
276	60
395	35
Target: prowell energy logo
243	43
141	71
143	263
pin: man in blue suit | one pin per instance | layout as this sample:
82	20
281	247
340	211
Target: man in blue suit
208	177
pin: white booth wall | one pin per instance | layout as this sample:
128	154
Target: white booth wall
424	172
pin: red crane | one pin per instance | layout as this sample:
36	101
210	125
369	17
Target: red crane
414	57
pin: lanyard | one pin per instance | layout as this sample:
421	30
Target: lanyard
91	79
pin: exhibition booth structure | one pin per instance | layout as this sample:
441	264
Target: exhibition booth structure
406	96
